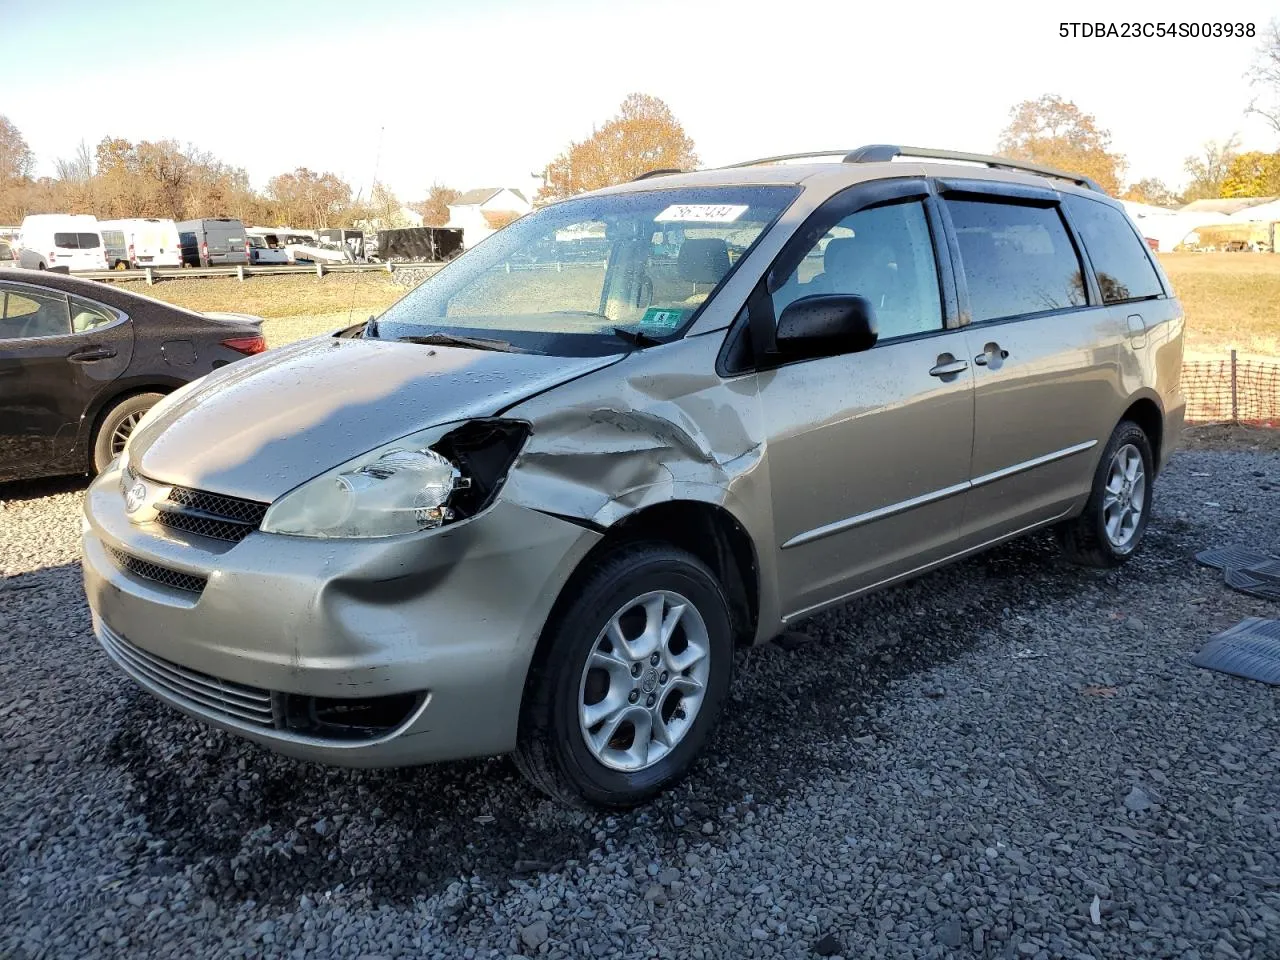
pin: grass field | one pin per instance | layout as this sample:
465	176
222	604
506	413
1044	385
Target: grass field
1231	300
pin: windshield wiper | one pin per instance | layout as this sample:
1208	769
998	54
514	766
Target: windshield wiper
636	338
455	340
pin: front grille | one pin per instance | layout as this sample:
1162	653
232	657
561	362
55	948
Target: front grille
158	574
232	701
210	514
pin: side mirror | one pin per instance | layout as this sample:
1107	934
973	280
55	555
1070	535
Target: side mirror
825	325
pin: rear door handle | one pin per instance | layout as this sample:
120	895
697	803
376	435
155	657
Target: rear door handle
91	354
949	369
992	355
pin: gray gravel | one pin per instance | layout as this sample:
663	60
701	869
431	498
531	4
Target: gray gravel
1008	758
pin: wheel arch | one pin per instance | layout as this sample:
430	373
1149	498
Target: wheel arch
708	531
120	391
1146	412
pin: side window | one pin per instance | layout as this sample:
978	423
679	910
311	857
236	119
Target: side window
1123	268
87	316
27	314
1017	259
884	254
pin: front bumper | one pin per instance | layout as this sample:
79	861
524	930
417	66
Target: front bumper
450	616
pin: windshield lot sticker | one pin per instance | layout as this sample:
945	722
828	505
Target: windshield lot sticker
662	319
701	213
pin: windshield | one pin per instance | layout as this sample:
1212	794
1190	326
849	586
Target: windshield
559	281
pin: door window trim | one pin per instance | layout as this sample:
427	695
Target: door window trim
1023	196
755	325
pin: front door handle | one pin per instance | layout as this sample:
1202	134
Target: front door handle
949	368
991	356
91	354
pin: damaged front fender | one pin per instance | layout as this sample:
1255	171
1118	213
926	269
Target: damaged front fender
645	432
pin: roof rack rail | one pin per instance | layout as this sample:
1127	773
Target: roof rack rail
660	172
879	152
882	152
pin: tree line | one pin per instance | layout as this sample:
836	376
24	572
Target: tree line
165	179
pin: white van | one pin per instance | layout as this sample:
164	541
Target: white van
150	241
72	241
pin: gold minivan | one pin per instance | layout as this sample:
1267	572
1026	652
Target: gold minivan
534	505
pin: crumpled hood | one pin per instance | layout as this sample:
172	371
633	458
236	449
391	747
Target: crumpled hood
261	426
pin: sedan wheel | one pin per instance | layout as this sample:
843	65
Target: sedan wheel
116	426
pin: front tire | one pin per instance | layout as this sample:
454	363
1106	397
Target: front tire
630	679
117	425
1110	529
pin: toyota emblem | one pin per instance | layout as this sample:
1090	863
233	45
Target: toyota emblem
136	498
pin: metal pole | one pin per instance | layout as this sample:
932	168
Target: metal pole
1235	400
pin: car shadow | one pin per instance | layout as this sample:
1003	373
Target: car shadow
20	490
244	823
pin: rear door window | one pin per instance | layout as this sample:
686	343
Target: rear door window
87	316
1119	259
1017	259
25	314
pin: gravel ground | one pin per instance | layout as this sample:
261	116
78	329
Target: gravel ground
969	765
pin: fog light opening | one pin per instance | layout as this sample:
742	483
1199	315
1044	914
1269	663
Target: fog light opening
348	718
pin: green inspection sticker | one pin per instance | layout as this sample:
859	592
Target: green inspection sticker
663	319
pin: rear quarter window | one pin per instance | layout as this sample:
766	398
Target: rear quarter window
1118	256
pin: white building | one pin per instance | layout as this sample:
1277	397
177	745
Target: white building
486	210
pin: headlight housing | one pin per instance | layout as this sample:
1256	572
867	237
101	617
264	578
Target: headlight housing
403	487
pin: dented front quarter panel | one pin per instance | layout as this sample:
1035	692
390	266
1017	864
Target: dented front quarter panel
660	426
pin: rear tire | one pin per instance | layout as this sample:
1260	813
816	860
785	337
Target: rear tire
116	426
657	699
1110	529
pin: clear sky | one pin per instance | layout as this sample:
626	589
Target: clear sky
481	92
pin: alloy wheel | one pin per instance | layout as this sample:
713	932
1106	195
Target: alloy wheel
1125	497
644	681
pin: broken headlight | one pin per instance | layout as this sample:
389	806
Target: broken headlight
403	487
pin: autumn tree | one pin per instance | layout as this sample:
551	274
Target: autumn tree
17	162
1151	190
309	199
644	135
1253	174
1057	133
1264	77
1208	171
435	208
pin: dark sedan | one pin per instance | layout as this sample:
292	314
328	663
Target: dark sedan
82	361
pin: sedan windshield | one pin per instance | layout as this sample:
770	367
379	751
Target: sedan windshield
592	276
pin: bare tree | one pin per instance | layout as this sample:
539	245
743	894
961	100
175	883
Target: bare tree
1264	77
1209	170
